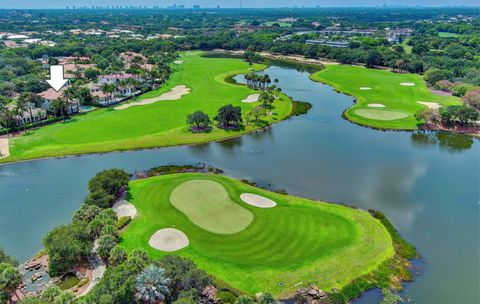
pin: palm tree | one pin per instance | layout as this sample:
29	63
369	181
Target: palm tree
5	114
70	94
10	278
152	285
21	108
60	105
108	89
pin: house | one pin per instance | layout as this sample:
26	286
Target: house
50	95
100	97
29	116
106	99
128	59
117	78
339	44
71	69
396	35
36	115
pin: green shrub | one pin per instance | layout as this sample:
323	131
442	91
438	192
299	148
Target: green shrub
226	296
123	221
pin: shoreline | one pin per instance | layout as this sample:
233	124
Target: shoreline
226	78
398	266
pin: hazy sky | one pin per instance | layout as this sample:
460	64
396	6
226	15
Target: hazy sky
229	3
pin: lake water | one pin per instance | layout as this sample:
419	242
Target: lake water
428	185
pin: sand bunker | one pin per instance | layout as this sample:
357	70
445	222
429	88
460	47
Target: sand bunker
257	200
251	98
376	105
365	88
178	61
124	208
4	149
407	84
174	94
168	239
431	105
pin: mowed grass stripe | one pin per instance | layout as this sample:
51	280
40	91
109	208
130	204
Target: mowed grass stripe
299	240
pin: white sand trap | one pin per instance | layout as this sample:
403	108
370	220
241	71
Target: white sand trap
178	61
123	207
407	84
251	98
365	88
4	149
376	105
431	105
257	200
168	239
174	94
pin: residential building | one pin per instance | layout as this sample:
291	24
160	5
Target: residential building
339	44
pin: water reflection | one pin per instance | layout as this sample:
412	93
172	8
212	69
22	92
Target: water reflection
448	141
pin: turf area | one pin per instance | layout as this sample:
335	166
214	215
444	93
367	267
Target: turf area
207	204
293	244
154	125
400	101
448	35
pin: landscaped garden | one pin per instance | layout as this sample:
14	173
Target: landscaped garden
252	239
154	123
384	99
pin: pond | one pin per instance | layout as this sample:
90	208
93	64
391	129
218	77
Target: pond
68	281
426	183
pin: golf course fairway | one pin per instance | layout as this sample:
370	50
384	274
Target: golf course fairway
279	249
157	124
399	95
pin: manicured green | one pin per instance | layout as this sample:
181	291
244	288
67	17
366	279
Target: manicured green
206	203
448	35
160	124
381	114
385	89
296	243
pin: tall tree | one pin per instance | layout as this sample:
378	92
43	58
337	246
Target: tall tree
59	106
199	119
229	116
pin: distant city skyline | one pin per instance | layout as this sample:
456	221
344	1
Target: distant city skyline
24	4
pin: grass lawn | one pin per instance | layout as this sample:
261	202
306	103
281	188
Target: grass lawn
371	86
281	24
293	244
160	124
448	35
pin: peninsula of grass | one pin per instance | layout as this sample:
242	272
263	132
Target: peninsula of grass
253	249
384	99
158	124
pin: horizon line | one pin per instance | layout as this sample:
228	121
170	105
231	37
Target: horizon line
114	7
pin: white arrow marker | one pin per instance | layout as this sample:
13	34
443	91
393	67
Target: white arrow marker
56	81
